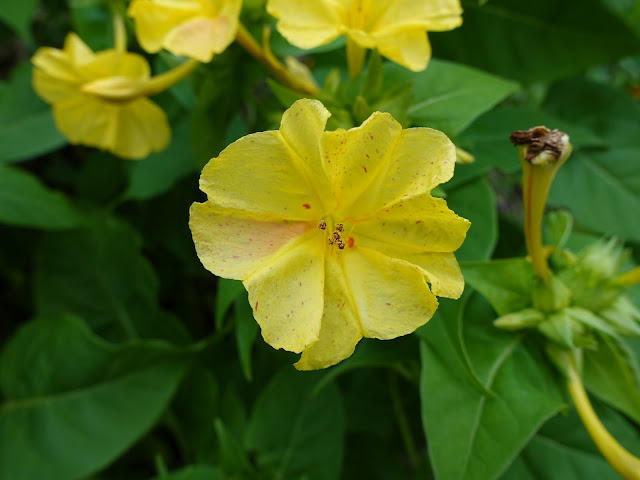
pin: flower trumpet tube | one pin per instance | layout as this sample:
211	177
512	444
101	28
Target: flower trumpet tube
542	152
334	234
100	99
627	465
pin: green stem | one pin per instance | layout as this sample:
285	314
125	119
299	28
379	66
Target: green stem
270	62
626	464
403	423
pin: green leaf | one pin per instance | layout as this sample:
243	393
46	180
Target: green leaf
21	114
246	333
562	449
601	186
193	472
507	284
160	171
373	353
296	434
196	402
91	20
73	403
611	373
449	96
98	273
537	41
473	436
26	202
228	292
476	202
18	15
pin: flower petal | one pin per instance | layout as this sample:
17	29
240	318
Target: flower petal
408	48
130	130
340	330
111	63
432	15
391	296
235	247
422	158
418	225
302	128
155	19
354	158
308	24
286	295
139	128
201	37
440	268
260	175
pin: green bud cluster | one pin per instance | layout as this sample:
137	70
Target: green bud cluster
582	299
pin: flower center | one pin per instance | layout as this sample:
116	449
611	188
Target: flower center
337	235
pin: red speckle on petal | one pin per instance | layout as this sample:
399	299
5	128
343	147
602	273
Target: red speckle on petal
371	136
367	155
418	221
388	304
350	242
307	206
365	168
256	306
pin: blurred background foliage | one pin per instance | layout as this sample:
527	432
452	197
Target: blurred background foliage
122	358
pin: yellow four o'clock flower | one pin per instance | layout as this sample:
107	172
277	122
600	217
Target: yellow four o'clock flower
334	234
98	99
193	28
397	28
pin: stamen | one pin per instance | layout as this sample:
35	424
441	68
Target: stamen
322	225
339	227
341	245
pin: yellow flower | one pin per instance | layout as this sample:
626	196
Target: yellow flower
194	28
334	234
96	101
397	28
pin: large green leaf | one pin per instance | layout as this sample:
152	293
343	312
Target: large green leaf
18	15
296	434
26	202
562	449
449	96
611	373
473	435
73	403
507	284
193	472
537	41
27	128
476	202
601	186
99	274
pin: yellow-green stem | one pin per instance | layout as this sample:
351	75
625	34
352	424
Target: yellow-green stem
630	278
159	83
627	465
119	32
271	63
124	89
355	57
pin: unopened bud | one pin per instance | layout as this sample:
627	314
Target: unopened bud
541	146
